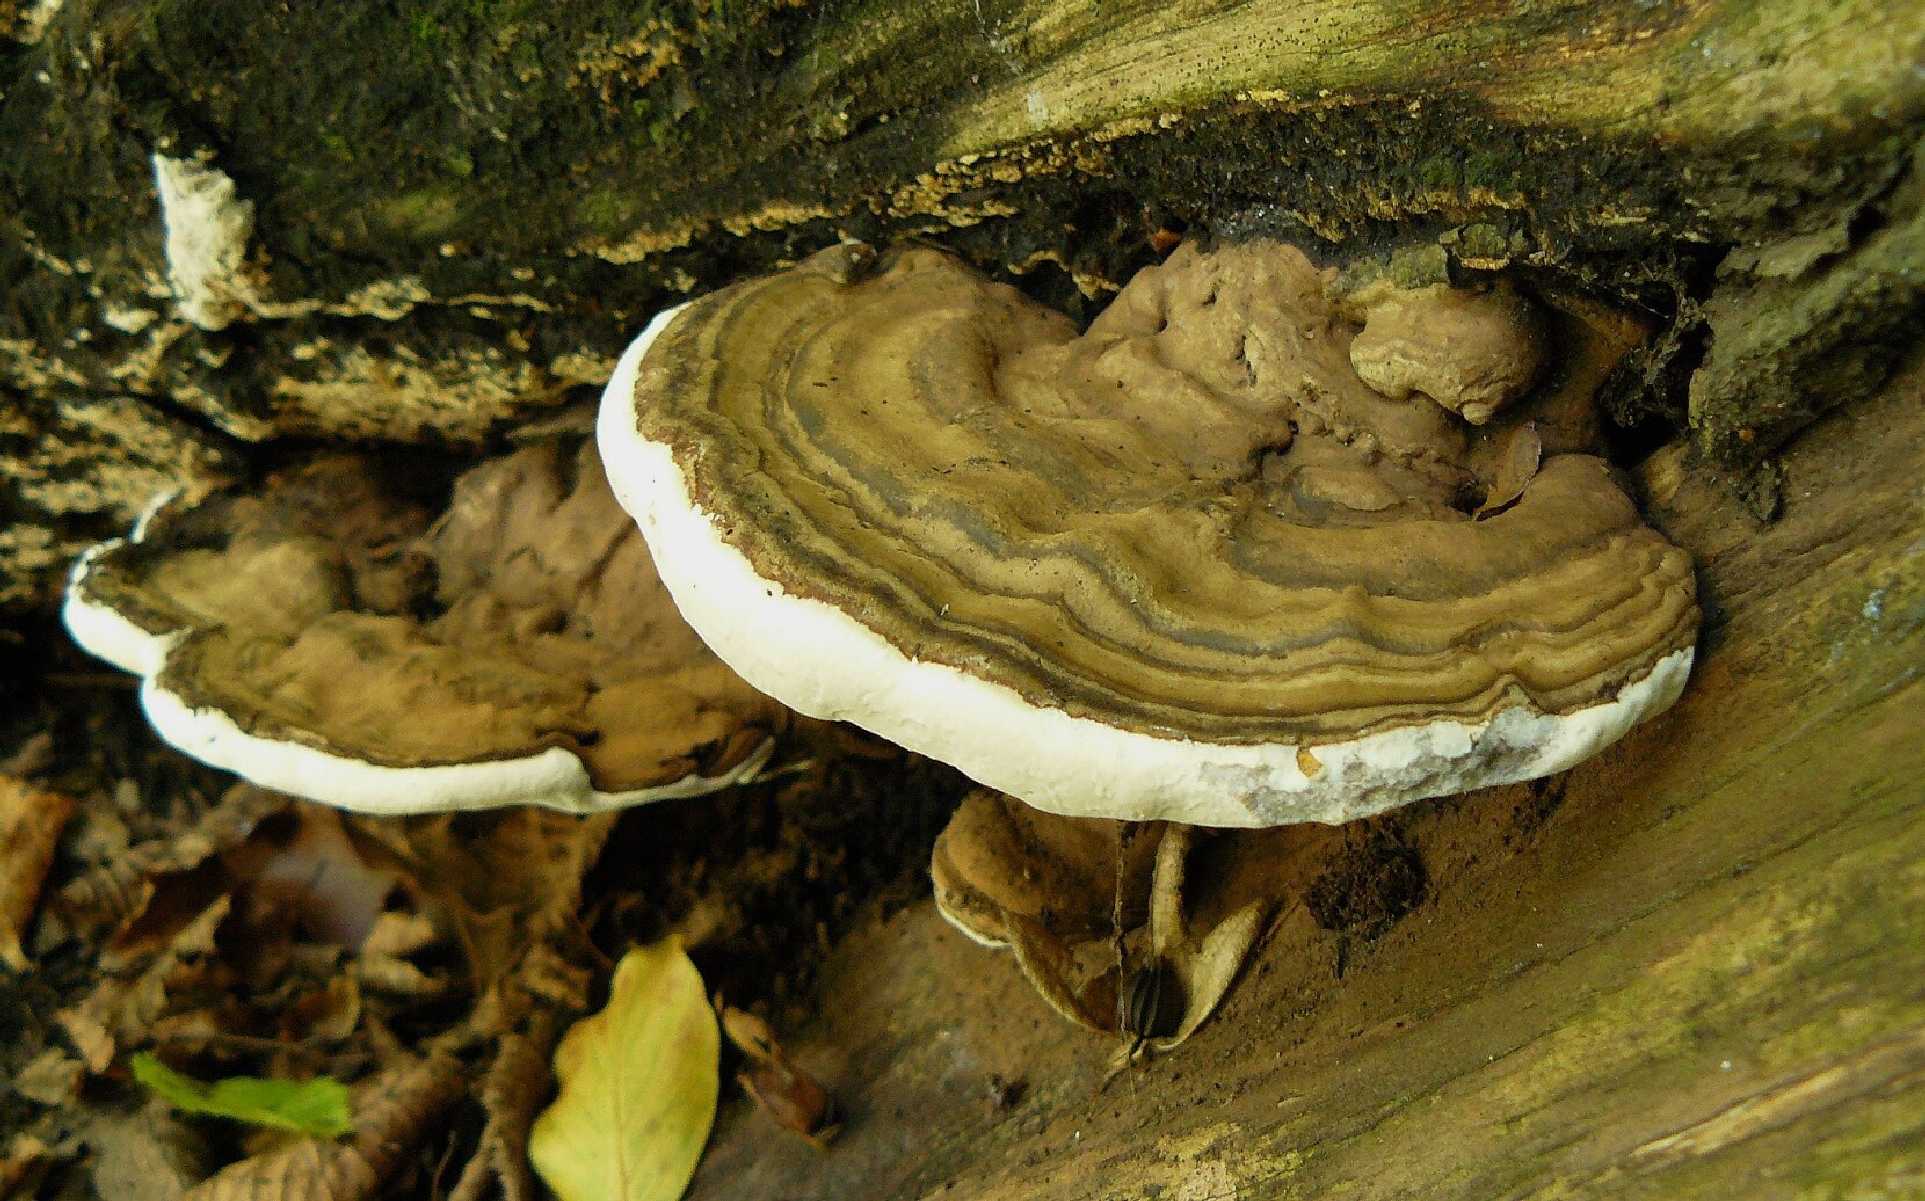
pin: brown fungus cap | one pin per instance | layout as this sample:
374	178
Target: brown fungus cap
333	637
1187	565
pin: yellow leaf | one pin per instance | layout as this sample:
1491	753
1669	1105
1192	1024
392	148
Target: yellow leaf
638	1087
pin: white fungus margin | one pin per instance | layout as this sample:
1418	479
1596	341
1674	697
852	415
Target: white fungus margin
820	661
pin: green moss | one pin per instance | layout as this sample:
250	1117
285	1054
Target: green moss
425	31
609	211
1483	241
421	214
1440	172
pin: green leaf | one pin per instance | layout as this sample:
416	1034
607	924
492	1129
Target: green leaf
638	1087
317	1106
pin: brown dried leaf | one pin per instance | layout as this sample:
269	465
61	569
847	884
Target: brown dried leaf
328	1015
309	1170
791	1097
124	1010
549	975
516	1084
399	978
381	965
150	1156
22	1164
31	819
31	757
50	1078
88	1034
168	903
1094	910
507	879
392	1113
116	893
1517	463
397	933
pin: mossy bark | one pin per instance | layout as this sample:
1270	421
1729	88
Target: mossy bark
461	208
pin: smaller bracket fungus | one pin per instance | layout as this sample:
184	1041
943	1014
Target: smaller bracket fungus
1078	900
331	637
1186	566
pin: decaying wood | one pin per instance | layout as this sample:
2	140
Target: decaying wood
1689	968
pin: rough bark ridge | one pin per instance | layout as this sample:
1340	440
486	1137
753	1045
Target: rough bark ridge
456	210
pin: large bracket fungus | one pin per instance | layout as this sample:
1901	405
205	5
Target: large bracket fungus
1185	566
1246	553
333	638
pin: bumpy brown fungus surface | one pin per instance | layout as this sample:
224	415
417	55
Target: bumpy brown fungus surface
1473	352
331	637
1187	565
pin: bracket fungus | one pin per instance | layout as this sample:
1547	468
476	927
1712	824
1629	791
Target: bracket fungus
1209	562
1076	899
1185	566
332	637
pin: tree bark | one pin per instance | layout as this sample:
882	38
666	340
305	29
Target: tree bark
453	212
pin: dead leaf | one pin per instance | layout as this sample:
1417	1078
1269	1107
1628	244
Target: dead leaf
31	757
638	1087
116	893
31	819
551	976
393	1112
88	1033
398	933
1517	465
25	1159
327	1015
791	1097
148	1156
1069	897
381	966
50	1078
507	880
516	1083
121	1009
